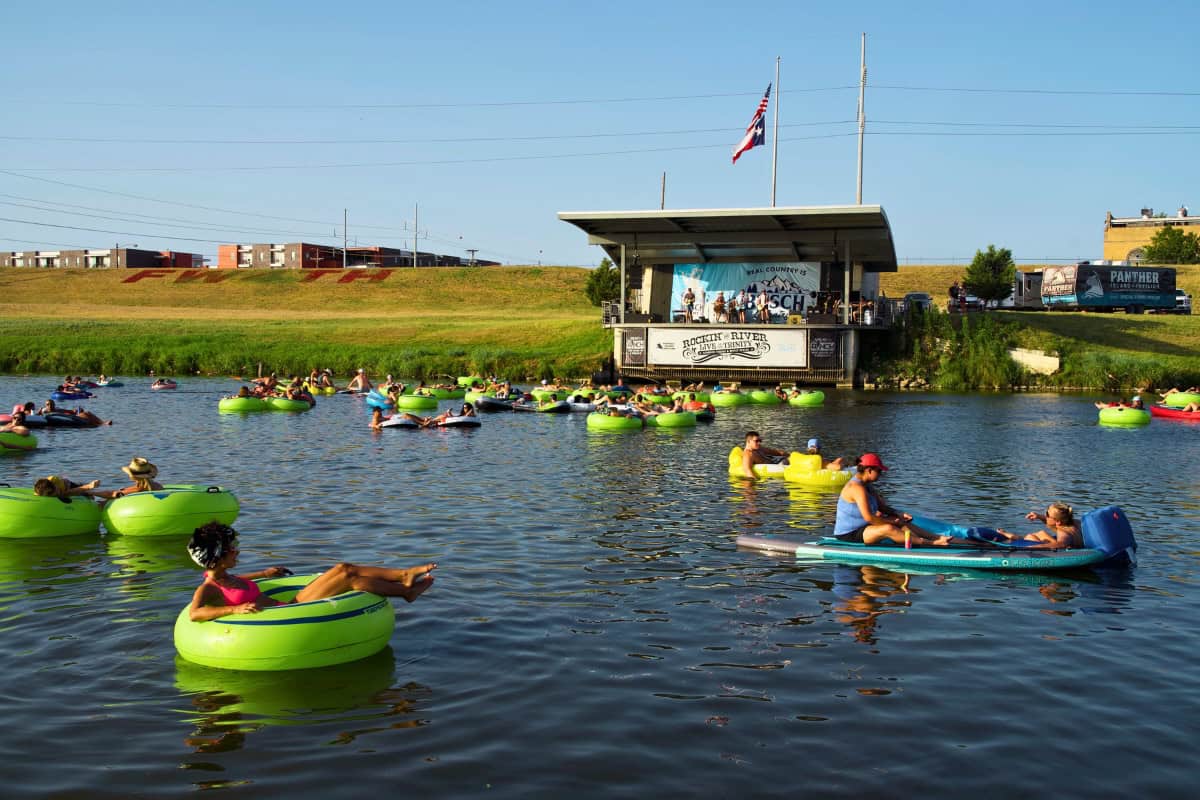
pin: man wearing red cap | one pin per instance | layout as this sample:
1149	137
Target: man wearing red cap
864	517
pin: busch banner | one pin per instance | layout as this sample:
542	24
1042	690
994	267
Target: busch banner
789	286
732	347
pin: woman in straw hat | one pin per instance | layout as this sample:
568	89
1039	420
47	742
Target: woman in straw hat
142	473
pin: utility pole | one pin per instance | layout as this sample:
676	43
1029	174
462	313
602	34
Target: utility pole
775	135
472	251
345	218
416	211
662	197
862	114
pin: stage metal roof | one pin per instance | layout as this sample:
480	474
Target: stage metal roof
733	235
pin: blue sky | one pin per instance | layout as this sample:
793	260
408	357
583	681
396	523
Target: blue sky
172	126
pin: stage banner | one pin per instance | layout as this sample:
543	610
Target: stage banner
728	347
633	347
790	287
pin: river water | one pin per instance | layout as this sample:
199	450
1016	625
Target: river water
593	628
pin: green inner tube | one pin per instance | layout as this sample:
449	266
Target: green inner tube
16	443
473	396
701	397
1126	417
320	633
605	422
542	395
175	510
764	397
807	399
24	515
672	419
416	402
1181	399
448	394
659	399
727	399
242	405
284	404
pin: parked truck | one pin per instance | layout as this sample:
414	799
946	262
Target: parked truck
1091	286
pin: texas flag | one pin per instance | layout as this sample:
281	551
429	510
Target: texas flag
756	133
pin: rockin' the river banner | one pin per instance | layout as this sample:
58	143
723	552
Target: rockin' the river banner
733	347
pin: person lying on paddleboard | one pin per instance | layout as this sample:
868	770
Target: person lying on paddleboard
864	517
467	410
1063	534
214	547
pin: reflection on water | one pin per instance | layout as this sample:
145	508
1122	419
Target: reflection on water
592	609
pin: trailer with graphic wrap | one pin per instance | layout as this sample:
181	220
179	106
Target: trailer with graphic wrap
1089	286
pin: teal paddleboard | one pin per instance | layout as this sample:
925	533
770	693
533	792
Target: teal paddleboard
960	557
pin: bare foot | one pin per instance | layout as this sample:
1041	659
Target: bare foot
418	588
416	574
90	485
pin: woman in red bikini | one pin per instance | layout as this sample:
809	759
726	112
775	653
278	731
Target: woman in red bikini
214	547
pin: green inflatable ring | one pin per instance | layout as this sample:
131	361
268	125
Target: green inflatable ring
173	510
16	443
672	419
1181	399
606	422
468	380
541	395
808	399
473	396
319	633
241	405
284	404
728	399
1124	416
764	397
658	399
448	394
701	397
416	402
24	515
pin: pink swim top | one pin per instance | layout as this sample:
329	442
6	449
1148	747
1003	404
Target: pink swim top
235	596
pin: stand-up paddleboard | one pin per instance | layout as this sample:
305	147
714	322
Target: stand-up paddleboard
1106	532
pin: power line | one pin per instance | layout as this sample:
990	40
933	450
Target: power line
451	140
429	162
993	90
380	106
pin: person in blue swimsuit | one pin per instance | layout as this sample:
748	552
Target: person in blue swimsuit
864	517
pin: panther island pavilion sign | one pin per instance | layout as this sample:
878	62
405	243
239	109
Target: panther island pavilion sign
727	347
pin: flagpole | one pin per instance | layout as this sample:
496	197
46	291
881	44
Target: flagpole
862	113
775	142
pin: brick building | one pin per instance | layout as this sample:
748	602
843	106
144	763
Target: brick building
118	257
302	255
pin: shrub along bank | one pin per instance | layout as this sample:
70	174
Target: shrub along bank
970	351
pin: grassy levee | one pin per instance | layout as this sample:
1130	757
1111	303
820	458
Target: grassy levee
520	322
1107	351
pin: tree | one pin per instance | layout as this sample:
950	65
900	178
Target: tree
1170	245
990	274
604	283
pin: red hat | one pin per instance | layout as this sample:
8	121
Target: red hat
871	460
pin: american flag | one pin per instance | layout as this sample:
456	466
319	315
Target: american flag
756	131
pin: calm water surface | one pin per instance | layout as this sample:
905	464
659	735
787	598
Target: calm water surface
594	630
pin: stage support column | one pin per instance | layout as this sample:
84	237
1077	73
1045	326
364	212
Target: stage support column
622	298
846	269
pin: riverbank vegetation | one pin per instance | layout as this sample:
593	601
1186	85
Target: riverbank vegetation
1110	352
523	323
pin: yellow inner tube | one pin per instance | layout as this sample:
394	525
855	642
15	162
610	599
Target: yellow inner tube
760	470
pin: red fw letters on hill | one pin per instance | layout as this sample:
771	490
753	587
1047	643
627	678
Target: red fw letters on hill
215	276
